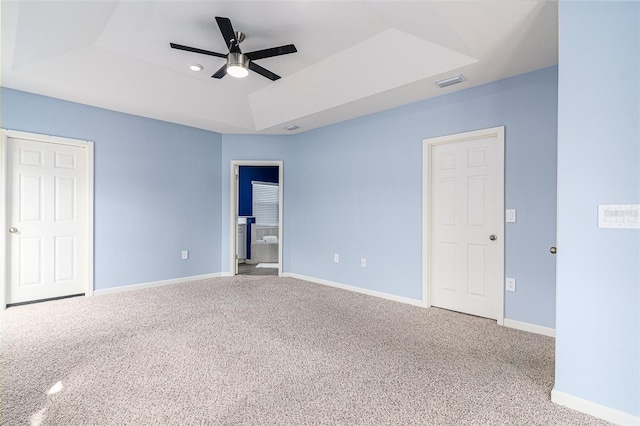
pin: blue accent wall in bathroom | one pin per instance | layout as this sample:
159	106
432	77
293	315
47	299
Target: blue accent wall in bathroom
247	175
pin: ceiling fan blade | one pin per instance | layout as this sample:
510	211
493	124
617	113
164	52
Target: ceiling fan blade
228	34
274	51
221	72
263	72
196	50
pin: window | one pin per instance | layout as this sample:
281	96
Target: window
265	203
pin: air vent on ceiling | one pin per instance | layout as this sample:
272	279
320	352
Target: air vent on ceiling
450	81
291	127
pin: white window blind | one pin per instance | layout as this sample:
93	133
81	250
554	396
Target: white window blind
265	203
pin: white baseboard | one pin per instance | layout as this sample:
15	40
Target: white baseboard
596	410
103	291
531	328
374	293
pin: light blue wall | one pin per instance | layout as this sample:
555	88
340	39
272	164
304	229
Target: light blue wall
598	297
157	187
360	184
355	188
151	174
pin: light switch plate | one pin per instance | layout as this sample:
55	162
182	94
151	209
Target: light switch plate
622	216
510	215
336	258
185	254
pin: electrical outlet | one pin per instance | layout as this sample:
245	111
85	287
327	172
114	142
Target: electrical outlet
185	254
363	262
510	284
336	258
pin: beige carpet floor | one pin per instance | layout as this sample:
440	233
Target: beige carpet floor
268	351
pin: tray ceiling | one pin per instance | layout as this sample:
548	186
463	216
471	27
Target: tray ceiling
354	57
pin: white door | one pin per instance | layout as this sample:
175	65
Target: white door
47	219
466	222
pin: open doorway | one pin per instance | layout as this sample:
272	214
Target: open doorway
256	218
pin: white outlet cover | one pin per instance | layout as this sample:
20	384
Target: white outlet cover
185	254
510	284
336	258
363	262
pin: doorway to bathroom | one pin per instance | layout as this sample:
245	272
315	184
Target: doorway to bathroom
256	218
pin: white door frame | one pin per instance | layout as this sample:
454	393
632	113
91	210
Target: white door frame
88	146
233	208
427	146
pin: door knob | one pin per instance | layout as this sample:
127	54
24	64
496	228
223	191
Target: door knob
493	237
13	230
553	250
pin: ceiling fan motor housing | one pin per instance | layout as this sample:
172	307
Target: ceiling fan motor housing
237	59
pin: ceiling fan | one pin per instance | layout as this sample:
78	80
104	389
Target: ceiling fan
239	63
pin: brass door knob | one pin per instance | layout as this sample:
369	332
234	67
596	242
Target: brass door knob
553	250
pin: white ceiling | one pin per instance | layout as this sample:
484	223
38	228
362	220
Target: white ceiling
354	57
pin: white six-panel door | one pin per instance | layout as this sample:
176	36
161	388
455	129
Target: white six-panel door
46	216
466	248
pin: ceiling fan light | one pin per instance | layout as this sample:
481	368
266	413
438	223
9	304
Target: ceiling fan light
237	71
237	65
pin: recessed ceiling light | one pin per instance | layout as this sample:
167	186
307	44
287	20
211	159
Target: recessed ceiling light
450	80
196	67
291	127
